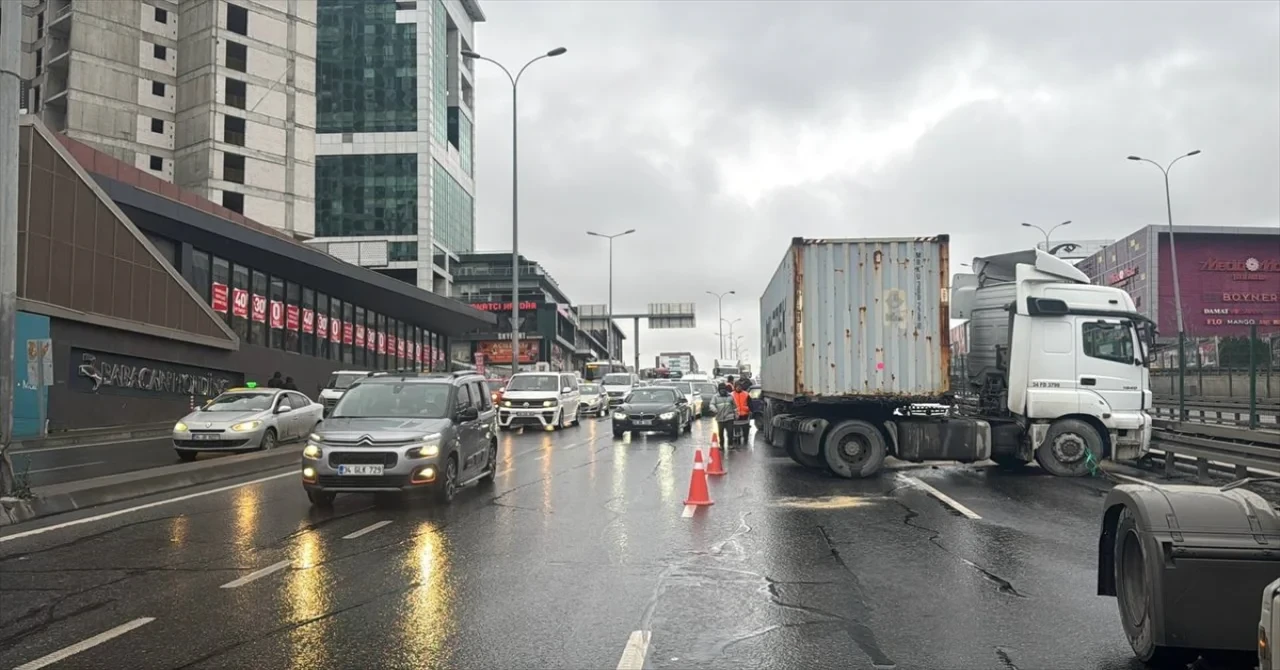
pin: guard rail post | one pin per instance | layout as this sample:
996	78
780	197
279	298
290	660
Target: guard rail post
1253	376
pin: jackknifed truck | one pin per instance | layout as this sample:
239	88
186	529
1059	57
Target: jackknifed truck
856	360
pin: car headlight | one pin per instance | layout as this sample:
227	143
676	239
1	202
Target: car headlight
312	451
429	448
506	403
180	427
667	416
619	416
246	426
548	403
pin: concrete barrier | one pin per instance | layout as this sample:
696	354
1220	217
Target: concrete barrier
96	435
85	493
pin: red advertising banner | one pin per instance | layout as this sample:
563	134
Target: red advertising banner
416	354
525	306
259	308
382	342
240	303
292	317
308	321
391	345
220	298
499	351
400	348
277	314
360	335
335	331
348	332
1229	282
322	326
371	339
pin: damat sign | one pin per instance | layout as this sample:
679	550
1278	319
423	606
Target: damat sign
98	372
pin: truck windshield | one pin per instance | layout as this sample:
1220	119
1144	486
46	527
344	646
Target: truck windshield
1109	341
617	380
342	381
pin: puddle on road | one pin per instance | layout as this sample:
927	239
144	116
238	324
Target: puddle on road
826	502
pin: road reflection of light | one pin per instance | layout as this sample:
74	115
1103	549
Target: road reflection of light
246	506
429	622
178	529
548	454
619	502
307	596
666	473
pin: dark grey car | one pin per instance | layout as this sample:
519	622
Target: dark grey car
653	409
404	432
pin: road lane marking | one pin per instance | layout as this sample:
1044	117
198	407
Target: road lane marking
85	645
688	511
65	467
166	501
134	440
366	530
257	574
633	654
942	497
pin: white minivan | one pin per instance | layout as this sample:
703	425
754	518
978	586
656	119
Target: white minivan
618	385
545	399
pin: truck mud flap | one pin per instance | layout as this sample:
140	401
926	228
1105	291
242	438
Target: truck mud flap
940	439
1207	554
807	432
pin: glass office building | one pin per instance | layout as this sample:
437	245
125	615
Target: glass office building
394	126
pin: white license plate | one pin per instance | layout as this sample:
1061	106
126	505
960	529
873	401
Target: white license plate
205	436
374	470
643	422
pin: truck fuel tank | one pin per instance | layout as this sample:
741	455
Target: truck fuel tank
919	439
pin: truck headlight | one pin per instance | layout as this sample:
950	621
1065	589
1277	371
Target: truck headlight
312	452
180	427
246	426
667	416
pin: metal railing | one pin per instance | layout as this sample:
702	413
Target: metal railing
1223	411
1211	446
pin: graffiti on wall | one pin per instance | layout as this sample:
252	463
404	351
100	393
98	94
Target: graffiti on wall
101	372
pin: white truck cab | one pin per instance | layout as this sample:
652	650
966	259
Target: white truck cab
1064	360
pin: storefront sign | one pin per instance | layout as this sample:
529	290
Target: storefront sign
348	332
1244	266
1117	277
308	321
322	326
360	335
292	317
1251	297
523	336
400	348
504	306
101	372
240	303
479	358
371	340
277	314
499	352
335	331
220	298
382	342
259	307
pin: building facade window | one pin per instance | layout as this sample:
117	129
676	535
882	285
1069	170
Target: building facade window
308	331
322	320
440	73
381	360
237	19
233	201
277	295
198	275
348	324
460	130
335	329
402	251
237	56
233	167
222	275
361	348
452	212
367	195
240	280
236	94
233	130
366	64
293	318
258	329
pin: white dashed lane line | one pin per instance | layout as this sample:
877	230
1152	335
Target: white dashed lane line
633	654
365	531
257	574
84	645
940	496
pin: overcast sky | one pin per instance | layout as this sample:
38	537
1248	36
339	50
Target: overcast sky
720	130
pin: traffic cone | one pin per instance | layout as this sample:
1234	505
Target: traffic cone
715	441
717	467
698	493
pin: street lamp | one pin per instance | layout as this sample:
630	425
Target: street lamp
720	314
515	201
1177	289
609	324
1047	233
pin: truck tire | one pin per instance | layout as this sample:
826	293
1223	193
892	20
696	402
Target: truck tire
1067	448
811	462
854	449
1135	601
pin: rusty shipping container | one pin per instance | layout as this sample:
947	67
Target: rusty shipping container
858	319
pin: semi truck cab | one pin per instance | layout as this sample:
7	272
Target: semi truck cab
1063	359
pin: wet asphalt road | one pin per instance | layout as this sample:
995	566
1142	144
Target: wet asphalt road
578	544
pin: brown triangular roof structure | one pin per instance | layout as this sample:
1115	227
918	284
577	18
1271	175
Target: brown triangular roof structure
80	258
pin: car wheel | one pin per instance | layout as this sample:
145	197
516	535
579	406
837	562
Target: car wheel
688	426
268	440
187	456
493	463
448	486
617	435
321	498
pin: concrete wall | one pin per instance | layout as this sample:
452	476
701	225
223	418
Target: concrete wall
1218	384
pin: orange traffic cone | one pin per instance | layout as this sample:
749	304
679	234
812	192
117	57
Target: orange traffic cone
717	467
698	493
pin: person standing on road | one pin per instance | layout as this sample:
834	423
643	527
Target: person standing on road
276	381
742	404
289	384
725	411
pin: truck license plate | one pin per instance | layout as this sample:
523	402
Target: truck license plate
643	422
374	470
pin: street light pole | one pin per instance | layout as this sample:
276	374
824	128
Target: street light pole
1047	233
720	314
515	197
10	91
1177	289
731	340
609	324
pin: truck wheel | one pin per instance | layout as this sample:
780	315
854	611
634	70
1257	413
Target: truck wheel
1134	591
1067	448
854	449
812	462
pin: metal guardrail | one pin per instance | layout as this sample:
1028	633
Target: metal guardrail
1225	411
1209	445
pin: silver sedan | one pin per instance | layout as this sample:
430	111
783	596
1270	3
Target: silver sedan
246	419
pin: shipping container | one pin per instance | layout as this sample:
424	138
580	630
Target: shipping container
854	319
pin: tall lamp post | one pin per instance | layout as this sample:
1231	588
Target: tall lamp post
515	200
731	340
609	324
1047	233
720	314
1177	289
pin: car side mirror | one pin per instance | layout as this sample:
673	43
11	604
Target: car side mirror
468	414
283	409
566	390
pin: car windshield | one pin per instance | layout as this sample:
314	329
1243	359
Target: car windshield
617	380
589	389
684	387
240	402
651	395
425	401
344	380
705	388
534	383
